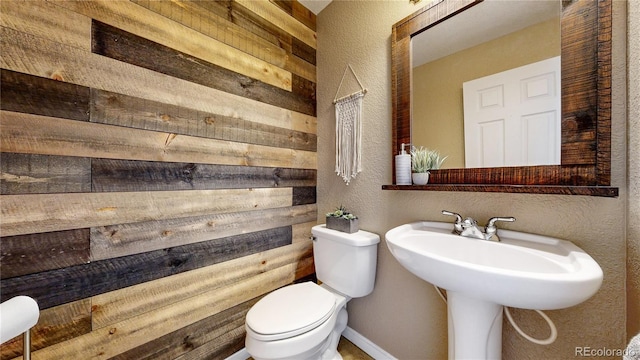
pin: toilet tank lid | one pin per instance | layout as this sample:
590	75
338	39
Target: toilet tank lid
358	238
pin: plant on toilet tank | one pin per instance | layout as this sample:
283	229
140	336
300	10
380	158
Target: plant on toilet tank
342	220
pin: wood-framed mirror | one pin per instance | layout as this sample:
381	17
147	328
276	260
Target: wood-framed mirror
585	167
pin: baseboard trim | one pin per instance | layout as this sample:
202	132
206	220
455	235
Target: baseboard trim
355	337
366	345
241	354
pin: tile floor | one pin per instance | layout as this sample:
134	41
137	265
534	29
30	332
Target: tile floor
350	351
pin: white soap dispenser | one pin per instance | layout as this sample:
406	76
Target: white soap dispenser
403	167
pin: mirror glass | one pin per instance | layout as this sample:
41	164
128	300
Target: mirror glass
508	54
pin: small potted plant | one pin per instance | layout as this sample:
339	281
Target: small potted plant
342	220
423	160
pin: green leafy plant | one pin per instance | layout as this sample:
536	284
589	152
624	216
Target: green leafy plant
423	159
342	212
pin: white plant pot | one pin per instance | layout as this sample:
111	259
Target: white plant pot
420	178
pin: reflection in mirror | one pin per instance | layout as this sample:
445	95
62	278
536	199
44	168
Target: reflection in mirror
490	46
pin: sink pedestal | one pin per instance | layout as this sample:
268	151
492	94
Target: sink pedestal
474	326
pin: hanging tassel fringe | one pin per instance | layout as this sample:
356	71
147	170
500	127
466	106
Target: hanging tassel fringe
349	130
349	136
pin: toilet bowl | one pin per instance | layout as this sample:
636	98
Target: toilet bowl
299	321
305	320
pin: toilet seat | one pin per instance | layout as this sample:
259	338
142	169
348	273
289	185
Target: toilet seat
290	311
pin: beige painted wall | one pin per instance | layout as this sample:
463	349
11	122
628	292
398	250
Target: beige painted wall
437	85
404	315
633	215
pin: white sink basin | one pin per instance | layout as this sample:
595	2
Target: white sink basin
523	270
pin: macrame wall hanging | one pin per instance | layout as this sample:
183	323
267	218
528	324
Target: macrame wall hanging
349	131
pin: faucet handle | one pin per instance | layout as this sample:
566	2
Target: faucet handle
490	230
491	227
451	213
457	226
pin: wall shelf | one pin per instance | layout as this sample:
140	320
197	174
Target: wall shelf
604	191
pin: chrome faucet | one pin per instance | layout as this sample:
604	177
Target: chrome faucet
469	227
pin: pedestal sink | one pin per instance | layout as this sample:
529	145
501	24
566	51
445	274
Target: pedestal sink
522	270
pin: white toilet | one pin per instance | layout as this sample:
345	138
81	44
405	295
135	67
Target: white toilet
305	320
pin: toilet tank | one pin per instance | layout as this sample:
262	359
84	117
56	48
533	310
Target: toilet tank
345	262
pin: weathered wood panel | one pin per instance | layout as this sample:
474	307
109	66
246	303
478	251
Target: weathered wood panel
304	195
32	253
165	153
276	16
121	45
304	87
205	339
41	57
302	232
300	63
115	109
55	325
44	19
142	22
305	269
36	95
223	346
55	287
249	21
220	25
112	340
26	133
116	306
24	214
303	51
298	12
129	175
133	238
32	174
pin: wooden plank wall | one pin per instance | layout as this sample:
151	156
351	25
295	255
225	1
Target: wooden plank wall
158	170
